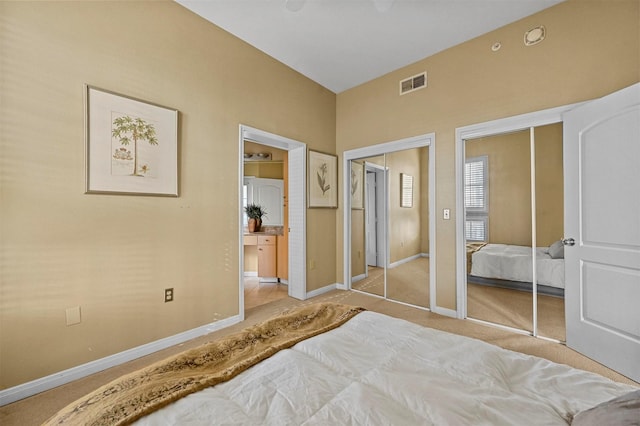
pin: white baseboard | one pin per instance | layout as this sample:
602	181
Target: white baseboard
358	278
340	286
445	311
405	260
250	273
322	290
33	387
424	254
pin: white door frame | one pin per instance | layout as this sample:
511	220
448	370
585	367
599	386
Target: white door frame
489	128
297	209
420	141
381	215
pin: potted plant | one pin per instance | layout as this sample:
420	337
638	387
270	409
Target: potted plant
254	213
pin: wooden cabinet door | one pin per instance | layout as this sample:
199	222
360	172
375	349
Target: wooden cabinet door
266	260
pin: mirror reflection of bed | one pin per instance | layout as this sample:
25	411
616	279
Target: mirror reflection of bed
503	223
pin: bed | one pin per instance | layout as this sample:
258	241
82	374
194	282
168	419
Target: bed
514	263
357	367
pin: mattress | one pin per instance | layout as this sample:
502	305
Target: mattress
377	370
514	263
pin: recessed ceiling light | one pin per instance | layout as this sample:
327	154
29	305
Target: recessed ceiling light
534	35
496	46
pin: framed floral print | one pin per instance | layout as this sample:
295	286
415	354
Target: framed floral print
323	180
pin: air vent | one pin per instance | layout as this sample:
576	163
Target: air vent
414	83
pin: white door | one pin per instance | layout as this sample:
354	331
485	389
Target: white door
268	193
371	225
602	216
297	223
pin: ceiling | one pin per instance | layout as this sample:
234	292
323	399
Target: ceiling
343	43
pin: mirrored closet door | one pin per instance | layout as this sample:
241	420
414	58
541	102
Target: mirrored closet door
390	225
513	221
408	267
368	225
549	229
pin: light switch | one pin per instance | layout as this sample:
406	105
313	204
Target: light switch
446	214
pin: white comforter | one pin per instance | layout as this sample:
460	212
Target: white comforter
508	262
378	370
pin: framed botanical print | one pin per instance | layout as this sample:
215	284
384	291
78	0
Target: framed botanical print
131	145
357	185
323	180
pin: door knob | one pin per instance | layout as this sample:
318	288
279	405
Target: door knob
569	242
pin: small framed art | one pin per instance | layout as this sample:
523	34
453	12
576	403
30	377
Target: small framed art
131	145
323	180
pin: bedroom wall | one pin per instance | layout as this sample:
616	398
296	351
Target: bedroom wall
509	166
509	171
592	49
549	185
424	200
114	255
404	222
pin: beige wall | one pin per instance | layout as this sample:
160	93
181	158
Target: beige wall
592	49
509	167
509	171
549	185
404	222
114	255
509	164
424	200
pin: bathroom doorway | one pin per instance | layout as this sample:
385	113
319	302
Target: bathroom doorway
290	233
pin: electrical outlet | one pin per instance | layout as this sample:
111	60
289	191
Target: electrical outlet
168	295
446	214
312	264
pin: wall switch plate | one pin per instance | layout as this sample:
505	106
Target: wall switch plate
446	214
73	315
168	295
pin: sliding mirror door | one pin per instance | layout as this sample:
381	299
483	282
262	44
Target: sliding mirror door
549	227
368	224
388	200
408	267
513	203
498	229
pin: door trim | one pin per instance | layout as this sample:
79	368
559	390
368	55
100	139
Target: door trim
489	128
428	139
381	216
297	286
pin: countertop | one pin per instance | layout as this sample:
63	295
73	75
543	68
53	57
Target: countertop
266	230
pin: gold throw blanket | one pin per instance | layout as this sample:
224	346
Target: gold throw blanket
137	394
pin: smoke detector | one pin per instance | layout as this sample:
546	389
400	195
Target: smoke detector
534	35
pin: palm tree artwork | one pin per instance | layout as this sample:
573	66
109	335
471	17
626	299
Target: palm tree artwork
131	131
